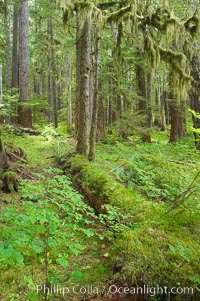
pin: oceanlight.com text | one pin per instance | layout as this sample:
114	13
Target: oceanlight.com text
113	289
152	291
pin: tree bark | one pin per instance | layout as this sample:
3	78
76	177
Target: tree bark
83	94
141	88
93	131
25	116
51	80
100	118
158	110
163	113
7	31
178	120
69	90
144	93
174	119
110	104
149	100
37	64
195	97
92	76
78	62
15	58
1	92
182	130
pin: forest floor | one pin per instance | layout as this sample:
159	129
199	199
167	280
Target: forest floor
159	175
19	281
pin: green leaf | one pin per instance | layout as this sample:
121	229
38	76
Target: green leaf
33	296
62	261
36	247
29	281
77	276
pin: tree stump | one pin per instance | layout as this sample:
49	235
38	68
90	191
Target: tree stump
8	178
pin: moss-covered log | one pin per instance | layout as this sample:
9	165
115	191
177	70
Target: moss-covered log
153	250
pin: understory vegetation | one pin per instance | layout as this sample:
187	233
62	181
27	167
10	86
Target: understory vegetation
99	150
138	222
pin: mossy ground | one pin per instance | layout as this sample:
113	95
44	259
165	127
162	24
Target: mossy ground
157	186
42	153
159	243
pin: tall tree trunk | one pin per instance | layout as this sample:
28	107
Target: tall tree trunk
149	100
178	119
37	71
141	88
158	110
78	74
69	90
163	105
51	80
25	116
117	68
182	130
15	62
83	93
143	94
7	31
100	118
110	104
110	100
173	118
91	78
149	110
1	92
93	131
195	97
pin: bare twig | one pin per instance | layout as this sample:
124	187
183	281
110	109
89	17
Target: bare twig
25	174
18	158
119	166
187	193
181	162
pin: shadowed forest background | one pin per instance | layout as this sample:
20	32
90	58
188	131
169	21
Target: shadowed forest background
99	149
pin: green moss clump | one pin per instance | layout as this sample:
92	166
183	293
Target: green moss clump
10	181
160	247
156	257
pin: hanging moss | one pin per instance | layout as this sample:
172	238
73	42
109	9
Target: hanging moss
152	49
117	15
192	24
68	7
87	11
179	70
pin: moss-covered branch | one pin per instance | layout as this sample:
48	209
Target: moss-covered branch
192	24
177	60
117	15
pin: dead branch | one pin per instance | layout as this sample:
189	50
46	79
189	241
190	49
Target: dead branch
119	166
181	162
18	158
24	174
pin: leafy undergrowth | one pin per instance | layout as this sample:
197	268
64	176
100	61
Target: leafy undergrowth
49	235
45	239
157	187
146	231
159	171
